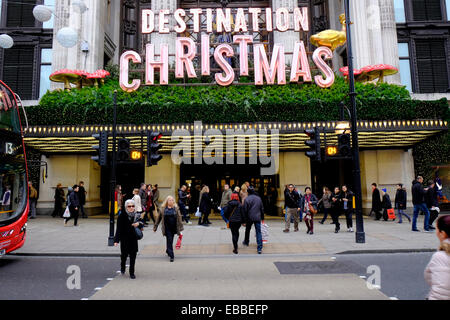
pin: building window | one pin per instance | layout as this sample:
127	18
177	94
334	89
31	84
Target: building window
46	71
429	10
432	67
18	70
20	13
399	6
405	65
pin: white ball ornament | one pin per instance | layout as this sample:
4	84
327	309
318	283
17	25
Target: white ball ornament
67	37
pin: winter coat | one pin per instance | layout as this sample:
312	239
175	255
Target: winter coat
386	203
182	197
137	203
74	199
431	198
125	233
226	197
400	199
253	208
292	199
205	203
160	219
59	195
313	201
418	193
236	215
376	200
82	195
336	205
155	194
437	275
347	195
326	199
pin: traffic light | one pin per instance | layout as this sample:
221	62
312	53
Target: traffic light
153	146
344	145
123	150
314	144
101	148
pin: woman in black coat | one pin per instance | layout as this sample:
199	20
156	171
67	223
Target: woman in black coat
59	200
205	207
347	206
386	204
336	207
233	213
127	221
74	206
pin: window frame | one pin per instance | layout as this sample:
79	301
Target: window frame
409	14
411	65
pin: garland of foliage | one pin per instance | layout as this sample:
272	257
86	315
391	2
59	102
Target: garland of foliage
235	104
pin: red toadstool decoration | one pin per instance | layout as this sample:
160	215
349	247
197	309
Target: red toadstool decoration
67	77
370	73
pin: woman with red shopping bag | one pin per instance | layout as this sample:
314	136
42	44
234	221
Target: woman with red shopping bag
171	224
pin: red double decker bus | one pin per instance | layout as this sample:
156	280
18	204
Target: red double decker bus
14	200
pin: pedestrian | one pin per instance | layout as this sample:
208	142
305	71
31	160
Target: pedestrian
82	195
226	196
243	193
336	207
437	272
150	207
182	200
291	198
386	204
118	196
233	213
137	202
127	222
143	204
205	207
74	206
432	202
376	202
253	211
418	197
59	201
171	223
326	201
347	206
309	209
33	199
155	193
400	202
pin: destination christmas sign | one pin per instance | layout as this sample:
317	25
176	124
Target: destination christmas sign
267	70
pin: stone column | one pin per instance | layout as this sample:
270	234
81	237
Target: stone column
389	37
156	38
287	38
360	34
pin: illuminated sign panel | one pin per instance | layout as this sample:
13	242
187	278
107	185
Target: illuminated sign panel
270	71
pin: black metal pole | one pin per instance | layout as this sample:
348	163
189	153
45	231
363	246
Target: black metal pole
113	176
360	234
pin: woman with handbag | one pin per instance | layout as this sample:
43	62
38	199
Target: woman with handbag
205	207
309	208
171	223
127	235
233	213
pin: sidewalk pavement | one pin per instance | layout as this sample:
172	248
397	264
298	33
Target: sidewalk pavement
48	236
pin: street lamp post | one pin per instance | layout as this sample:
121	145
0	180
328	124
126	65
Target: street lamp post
360	234
113	176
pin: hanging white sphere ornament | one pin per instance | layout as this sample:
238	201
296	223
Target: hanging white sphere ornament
79	6
67	37
42	13
6	41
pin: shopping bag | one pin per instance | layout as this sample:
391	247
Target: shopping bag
265	232
198	214
178	245
66	213
391	214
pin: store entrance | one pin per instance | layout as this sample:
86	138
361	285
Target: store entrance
331	174
216	176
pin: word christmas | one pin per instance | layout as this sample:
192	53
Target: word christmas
186	50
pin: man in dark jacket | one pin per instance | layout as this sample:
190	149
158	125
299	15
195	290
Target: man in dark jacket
292	199
82	196
74	206
432	202
182	199
253	210
376	202
418	193
400	203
